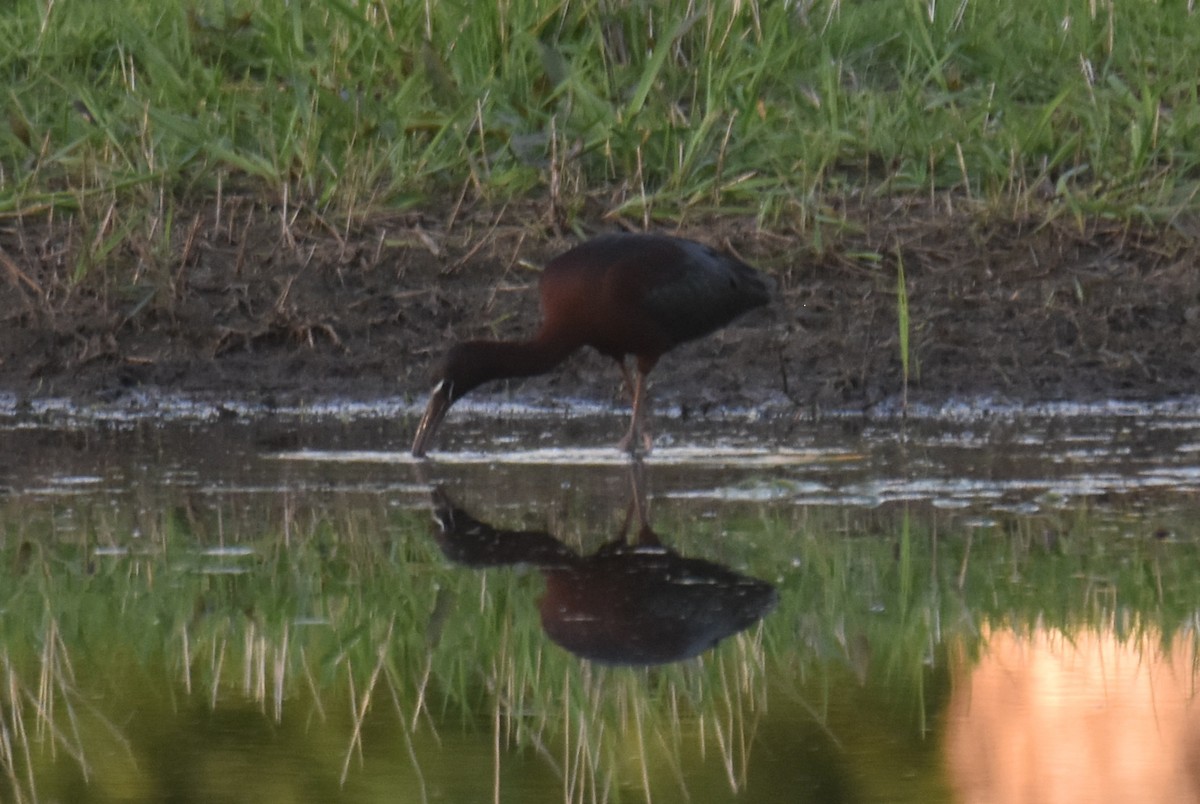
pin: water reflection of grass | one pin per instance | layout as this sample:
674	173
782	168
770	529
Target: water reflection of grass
341	624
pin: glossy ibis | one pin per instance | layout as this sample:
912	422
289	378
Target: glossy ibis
621	294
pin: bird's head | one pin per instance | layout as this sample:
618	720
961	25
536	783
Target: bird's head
457	373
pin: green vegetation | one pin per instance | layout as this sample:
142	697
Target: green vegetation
131	634
903	327
124	116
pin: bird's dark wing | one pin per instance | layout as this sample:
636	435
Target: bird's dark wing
701	290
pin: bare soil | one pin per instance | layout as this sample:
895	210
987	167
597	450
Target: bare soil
1028	308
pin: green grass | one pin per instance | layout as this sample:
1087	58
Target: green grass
903	327
120	114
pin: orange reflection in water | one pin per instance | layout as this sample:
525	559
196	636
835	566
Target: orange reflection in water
1051	717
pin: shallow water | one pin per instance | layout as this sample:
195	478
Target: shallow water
976	604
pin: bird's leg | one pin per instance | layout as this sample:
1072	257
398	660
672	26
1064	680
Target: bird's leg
625	443
639	411
638	504
637	428
627	380
638	508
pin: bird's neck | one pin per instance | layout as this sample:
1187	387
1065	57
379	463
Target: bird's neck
498	360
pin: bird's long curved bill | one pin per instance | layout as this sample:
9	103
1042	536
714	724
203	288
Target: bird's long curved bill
435	411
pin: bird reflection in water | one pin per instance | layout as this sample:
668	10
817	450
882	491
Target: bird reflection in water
632	602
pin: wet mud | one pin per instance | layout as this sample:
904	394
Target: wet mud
1031	309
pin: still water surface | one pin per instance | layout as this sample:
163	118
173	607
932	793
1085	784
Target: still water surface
226	604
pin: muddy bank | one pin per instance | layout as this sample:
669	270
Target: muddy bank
1029	309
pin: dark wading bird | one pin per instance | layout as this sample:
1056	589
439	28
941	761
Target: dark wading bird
621	294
